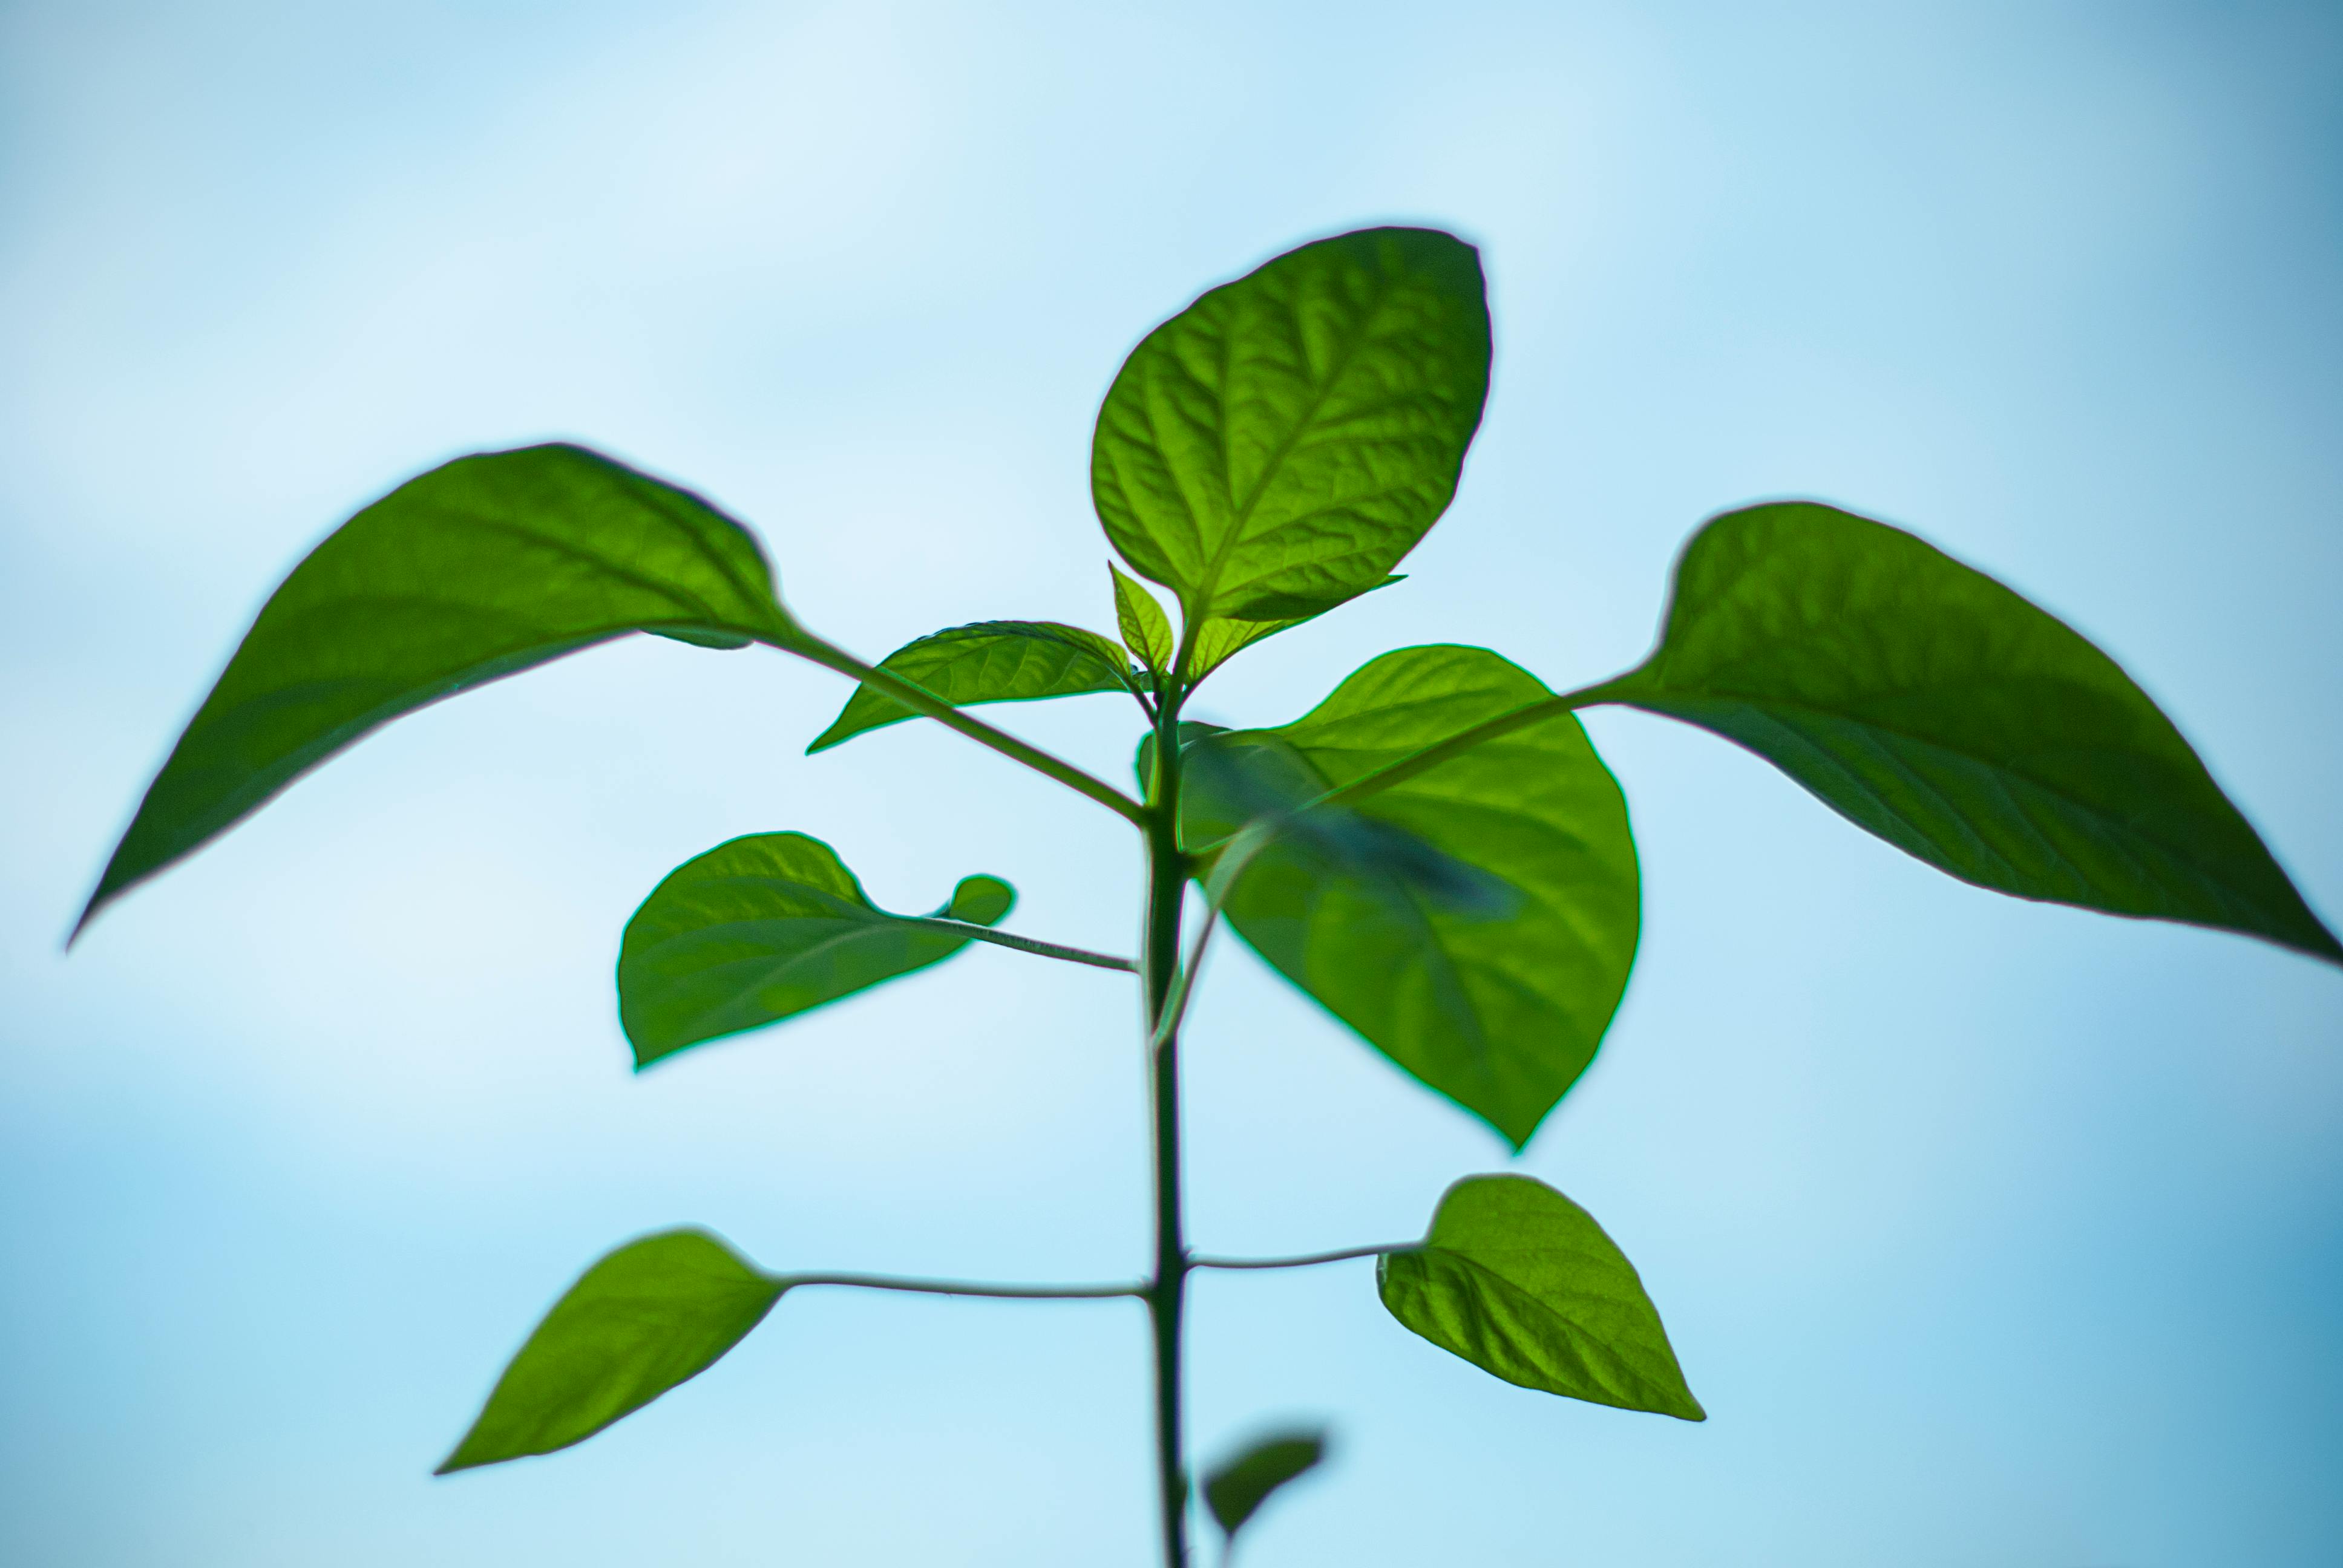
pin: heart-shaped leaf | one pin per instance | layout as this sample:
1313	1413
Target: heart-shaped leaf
1522	1282
1235	1489
765	926
653	1313
1275	447
477	570
1926	702
990	661
1476	921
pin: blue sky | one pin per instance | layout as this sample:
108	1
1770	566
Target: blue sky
1989	1233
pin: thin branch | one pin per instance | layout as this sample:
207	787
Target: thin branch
965	1287
975	932
920	701
1456	745
1306	1260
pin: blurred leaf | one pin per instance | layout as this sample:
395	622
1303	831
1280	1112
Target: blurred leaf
766	927
1522	1282
1926	702
1236	1488
653	1313
1146	629
477	570
1275	447
1475	923
992	661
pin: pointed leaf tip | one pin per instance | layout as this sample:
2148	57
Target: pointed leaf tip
1943	711
647	1316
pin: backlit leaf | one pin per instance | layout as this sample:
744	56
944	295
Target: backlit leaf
1146	629
1522	1282
653	1313
763	928
1477	922
477	570
1275	447
990	661
1928	703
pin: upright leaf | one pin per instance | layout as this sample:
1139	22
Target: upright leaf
763	928
990	661
1236	1488
1146	629
1477	922
1220	638
653	1313
1275	447
477	570
1926	702
1522	1282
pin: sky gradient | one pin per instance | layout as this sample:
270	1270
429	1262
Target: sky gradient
1991	1234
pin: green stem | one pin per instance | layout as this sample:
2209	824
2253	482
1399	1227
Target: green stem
1463	740
919	699
975	932
1166	877
1306	1260
965	1287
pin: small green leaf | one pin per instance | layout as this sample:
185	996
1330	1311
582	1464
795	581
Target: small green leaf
1477	922
763	928
653	1313
1522	1282
1926	702
1146	629
1237	1487
1219	639
990	661
477	570
1274	448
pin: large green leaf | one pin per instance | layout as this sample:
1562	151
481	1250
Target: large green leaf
1235	1489
1522	1282
477	570
990	661
1477	922
764	927
653	1313
1924	700
1221	638
1273	449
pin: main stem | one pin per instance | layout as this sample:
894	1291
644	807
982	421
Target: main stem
1159	967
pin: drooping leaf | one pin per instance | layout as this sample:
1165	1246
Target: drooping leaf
1219	639
1522	1282
1237	1487
653	1313
990	661
1477	922
765	926
476	569
1146	629
1275	447
1926	702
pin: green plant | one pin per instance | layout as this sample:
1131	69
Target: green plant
1436	853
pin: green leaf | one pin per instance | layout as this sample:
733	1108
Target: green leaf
763	928
1237	1487
1275	447
1146	629
990	661
653	1313
1219	639
477	570
1522	1282
1926	702
1475	923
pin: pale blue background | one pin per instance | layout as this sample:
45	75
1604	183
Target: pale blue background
1991	1233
